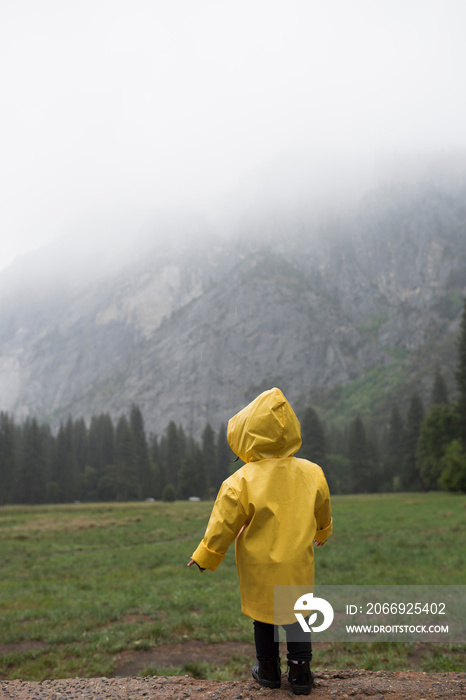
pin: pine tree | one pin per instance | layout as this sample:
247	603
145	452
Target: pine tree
439	428
32	465
107	440
162	451
375	475
209	455
158	473
101	444
225	457
460	375
64	479
158	479
202	478
89	483
173	448
410	478
394	460
72	476
80	442
127	478
93	445
101	456
55	485
7	458
439	389
193	475
358	455
312	433
80	445
182	442
142	451
48	443
154	448
337	440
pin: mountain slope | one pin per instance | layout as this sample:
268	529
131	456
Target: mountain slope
360	306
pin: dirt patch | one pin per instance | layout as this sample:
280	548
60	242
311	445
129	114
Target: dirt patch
330	685
21	647
132	619
130	663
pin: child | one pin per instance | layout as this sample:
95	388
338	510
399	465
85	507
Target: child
275	506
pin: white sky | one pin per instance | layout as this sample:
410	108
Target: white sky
109	107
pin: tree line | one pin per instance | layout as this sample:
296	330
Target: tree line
421	450
108	462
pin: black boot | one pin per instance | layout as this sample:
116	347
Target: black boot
268	673
300	677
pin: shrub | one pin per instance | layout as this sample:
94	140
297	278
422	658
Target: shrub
168	493
453	463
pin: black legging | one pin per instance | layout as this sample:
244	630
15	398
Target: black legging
267	648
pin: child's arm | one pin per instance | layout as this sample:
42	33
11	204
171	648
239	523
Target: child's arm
323	513
226	520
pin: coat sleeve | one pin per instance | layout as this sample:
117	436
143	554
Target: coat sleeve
323	511
226	520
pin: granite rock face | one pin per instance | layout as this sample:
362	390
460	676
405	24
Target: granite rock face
192	331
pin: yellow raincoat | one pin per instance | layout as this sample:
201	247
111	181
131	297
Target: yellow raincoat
282	502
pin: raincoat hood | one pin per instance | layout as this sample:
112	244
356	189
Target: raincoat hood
266	428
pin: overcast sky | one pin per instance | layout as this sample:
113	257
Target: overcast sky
115	107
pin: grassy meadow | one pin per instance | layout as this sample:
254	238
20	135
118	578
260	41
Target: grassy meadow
82	584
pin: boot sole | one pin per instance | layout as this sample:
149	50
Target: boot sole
266	683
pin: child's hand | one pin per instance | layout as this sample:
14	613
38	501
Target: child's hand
191	562
316	542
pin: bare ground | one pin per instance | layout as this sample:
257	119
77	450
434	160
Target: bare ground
124	683
335	685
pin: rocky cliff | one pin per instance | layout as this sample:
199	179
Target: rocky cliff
349	313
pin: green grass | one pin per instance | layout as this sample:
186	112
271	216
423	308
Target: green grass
395	539
82	583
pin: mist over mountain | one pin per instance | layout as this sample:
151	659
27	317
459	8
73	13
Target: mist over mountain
349	312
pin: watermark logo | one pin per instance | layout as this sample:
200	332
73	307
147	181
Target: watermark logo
360	613
308	602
